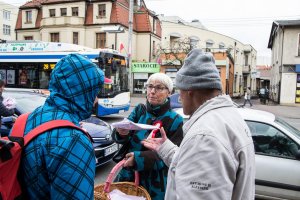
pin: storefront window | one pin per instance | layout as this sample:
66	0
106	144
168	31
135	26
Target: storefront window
139	83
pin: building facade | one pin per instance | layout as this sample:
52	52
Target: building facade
284	42
8	17
242	56
91	23
104	24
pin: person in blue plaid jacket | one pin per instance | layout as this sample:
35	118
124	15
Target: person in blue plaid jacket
60	164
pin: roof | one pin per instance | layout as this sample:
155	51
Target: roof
38	3
59	1
119	14
19	20
175	19
281	24
288	22
32	4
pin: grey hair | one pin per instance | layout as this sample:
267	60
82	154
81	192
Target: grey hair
163	78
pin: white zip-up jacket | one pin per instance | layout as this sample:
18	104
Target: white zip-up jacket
216	159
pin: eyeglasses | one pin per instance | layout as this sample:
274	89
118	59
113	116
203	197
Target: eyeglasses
157	88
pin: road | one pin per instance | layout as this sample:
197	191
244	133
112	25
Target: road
291	114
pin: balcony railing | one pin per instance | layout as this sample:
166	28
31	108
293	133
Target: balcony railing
62	21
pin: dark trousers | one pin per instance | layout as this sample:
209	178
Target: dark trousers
247	100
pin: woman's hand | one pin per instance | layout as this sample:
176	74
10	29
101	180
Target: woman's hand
155	143
129	160
81	126
122	132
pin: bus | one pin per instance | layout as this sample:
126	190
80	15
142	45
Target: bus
28	64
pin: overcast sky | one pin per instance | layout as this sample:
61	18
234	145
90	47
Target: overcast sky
247	21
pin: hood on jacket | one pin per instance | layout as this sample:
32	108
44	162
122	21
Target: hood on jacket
74	85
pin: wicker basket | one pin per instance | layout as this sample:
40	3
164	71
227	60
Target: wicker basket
101	191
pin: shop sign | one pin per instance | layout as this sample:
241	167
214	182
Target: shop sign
145	67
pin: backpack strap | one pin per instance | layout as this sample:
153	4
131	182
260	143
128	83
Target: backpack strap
52	125
19	128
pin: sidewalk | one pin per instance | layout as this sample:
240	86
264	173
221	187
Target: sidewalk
287	111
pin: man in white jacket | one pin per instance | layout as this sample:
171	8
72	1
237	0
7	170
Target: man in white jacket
215	160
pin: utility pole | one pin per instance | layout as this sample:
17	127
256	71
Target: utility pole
130	30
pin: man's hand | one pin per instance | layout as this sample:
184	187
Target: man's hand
155	143
129	160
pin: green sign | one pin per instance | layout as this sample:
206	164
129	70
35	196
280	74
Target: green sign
145	67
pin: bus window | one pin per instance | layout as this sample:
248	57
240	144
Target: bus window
28	77
44	79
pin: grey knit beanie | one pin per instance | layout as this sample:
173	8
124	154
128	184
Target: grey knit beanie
198	72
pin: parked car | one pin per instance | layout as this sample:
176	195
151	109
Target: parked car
100	131
277	154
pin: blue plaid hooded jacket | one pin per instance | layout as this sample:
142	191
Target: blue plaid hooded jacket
60	164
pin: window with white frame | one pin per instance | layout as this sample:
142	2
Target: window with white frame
63	12
28	17
194	40
153	49
101	11
221	45
54	37
209	43
75	37
246	59
6	29
74	11
299	44
28	37
6	15
52	12
100	40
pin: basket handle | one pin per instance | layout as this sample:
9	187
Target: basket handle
112	175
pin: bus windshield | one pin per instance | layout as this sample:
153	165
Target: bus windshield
116	75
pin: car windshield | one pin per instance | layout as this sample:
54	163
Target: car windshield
26	102
287	126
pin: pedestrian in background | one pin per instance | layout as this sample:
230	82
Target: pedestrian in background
152	170
247	97
216	157
60	163
267	95
4	110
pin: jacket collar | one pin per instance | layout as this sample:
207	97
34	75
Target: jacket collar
212	104
158	110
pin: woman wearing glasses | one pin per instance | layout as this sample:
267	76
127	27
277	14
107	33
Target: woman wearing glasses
152	170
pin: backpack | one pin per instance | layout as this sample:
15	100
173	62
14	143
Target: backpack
11	151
